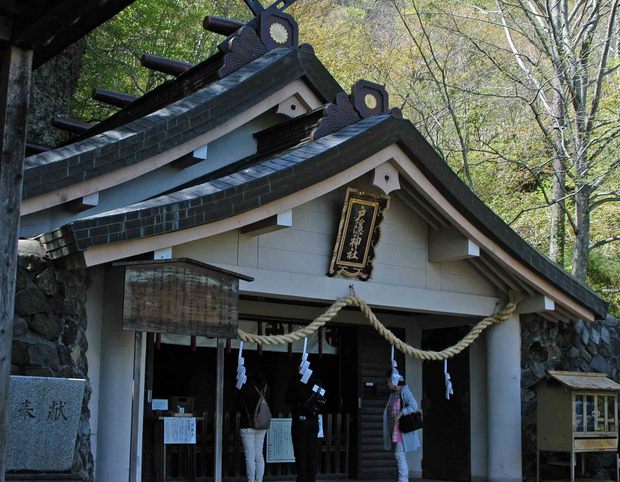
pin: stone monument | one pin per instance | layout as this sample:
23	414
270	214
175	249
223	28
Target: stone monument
44	414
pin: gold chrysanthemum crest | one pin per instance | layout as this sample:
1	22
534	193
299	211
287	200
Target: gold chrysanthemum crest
278	33
370	101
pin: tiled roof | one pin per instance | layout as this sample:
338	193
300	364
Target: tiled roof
293	170
176	123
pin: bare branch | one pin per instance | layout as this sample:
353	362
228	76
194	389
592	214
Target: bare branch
603	242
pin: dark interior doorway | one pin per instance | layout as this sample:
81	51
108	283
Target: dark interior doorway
446	422
373	361
178	372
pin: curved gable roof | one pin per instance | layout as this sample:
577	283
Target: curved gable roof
176	123
299	168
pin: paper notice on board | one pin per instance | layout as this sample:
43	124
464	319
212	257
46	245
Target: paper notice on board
179	430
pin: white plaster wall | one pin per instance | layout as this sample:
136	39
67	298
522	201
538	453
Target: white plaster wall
306	249
116	386
94	311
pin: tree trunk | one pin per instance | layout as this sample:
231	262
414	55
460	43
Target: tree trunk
582	234
14	89
557	239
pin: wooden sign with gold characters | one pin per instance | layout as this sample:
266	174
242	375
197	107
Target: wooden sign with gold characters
358	234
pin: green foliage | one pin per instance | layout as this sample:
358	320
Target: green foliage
604	277
169	28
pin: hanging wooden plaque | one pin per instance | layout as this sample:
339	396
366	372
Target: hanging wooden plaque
358	234
181	296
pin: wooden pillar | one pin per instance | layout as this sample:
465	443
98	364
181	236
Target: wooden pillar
14	94
219	409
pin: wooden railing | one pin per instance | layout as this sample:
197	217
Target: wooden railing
195	462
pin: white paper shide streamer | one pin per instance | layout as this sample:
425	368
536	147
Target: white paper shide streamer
446	376
241	376
304	366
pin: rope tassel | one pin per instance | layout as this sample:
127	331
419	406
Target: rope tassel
353	300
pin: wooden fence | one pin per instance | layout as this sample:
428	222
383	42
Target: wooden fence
195	462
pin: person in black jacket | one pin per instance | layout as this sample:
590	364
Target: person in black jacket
305	408
253	439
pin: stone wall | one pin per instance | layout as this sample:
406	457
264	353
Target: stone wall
581	346
49	332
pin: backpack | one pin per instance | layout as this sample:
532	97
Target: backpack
262	413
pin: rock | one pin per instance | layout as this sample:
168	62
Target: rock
38	372
538	353
20	327
64	355
46	280
573	352
605	337
43	355
30	301
19	354
69	334
599	364
592	348
595	336
50	414
21	279
66	372
579	326
585	336
30	247
47	325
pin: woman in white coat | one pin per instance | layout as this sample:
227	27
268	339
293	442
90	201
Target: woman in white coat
401	402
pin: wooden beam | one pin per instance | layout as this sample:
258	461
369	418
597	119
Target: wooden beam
164	65
222	26
536	304
15	73
82	204
70	125
191	158
270	224
33	148
447	244
110	97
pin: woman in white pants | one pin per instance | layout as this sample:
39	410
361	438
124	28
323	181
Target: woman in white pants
253	439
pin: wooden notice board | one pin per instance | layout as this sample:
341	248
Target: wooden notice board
181	296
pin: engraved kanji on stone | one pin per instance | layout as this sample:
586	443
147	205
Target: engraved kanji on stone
56	411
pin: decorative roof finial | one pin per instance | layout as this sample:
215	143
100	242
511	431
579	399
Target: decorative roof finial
367	99
272	29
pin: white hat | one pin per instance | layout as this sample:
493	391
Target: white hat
396	377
